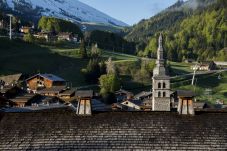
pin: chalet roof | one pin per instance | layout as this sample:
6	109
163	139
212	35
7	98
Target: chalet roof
68	92
143	94
84	93
136	102
54	89
11	78
185	93
122	91
23	98
61	129
51	77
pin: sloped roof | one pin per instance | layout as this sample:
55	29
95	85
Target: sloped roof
62	129
143	94
11	78
54	89
185	93
51	77
84	93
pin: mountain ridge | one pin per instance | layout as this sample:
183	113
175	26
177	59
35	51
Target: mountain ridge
71	10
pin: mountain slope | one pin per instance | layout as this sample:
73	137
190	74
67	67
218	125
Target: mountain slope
72	10
145	29
200	35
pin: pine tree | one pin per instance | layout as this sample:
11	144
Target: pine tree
83	51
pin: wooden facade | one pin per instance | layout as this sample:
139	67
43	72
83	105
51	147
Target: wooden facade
40	81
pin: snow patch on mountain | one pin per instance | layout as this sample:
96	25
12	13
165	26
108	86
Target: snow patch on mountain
72	10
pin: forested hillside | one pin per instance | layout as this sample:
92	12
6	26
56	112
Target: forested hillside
195	33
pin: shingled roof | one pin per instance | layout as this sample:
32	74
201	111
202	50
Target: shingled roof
62	129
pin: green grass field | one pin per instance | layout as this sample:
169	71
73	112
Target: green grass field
20	57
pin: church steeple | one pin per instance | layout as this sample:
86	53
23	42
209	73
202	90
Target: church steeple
160	48
160	82
160	69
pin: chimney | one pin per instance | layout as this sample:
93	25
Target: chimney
185	106
84	107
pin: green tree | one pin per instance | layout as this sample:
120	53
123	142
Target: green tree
83	50
29	38
109	83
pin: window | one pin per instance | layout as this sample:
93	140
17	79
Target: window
159	94
164	85
164	94
159	85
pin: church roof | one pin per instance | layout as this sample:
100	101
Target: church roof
62	129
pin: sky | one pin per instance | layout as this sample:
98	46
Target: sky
130	11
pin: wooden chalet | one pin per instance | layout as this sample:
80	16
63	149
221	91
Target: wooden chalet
26	29
5	102
11	79
52	91
10	91
23	100
67	94
143	95
123	95
66	36
205	66
44	81
132	105
47	36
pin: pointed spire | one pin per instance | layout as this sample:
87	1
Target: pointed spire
160	49
160	41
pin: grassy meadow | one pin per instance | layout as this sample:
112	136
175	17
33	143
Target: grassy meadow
19	57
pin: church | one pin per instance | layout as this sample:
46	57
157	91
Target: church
160	82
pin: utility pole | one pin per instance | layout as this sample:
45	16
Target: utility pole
10	26
193	78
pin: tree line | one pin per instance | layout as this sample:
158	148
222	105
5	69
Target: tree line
202	36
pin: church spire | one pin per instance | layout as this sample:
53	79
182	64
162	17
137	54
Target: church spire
160	50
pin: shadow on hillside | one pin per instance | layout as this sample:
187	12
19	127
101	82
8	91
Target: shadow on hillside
18	56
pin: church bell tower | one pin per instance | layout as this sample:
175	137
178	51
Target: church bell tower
160	82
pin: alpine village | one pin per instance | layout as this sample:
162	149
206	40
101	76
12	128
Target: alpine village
70	81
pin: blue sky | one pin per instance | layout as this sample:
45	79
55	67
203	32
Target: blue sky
130	11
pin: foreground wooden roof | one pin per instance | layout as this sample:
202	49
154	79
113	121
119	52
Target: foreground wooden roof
63	129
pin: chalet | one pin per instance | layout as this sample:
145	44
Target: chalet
10	91
23	100
67	94
26	29
44	81
132	105
205	66
11	79
143	95
5	102
47	36
52	91
67	36
46	101
123	95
